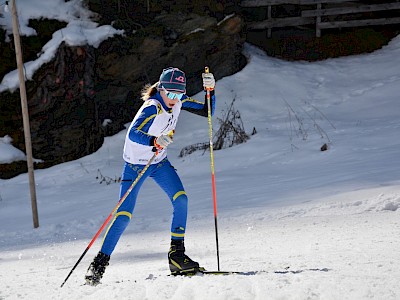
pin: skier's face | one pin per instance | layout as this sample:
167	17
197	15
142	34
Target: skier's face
170	99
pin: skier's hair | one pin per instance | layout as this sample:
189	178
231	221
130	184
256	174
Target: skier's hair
149	90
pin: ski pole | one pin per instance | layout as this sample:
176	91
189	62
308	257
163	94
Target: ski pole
214	191
111	214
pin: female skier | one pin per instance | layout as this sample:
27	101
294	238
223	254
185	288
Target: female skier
151	129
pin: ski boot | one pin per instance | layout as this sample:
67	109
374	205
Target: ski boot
179	262
96	269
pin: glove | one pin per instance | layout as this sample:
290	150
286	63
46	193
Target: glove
162	141
208	81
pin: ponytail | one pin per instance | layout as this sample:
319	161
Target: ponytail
149	90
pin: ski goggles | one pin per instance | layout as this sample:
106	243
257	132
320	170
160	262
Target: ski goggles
172	95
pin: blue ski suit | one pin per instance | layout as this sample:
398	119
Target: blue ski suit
138	147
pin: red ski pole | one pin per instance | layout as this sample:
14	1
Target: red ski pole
214	190
111	215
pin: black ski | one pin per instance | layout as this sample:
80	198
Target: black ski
231	272
202	271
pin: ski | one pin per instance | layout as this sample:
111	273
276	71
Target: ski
231	272
202	271
188	272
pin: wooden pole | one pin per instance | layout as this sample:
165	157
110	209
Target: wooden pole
25	114
269	16
318	22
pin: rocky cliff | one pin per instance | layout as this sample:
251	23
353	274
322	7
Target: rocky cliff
70	97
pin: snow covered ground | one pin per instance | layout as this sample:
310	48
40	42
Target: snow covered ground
320	224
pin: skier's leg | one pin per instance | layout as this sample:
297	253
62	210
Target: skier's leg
124	212
121	219
166	176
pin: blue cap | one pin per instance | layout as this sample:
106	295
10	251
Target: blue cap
173	80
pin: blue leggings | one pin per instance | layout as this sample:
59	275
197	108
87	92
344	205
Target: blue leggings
166	177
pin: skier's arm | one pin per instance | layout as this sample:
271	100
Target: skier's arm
197	107
139	130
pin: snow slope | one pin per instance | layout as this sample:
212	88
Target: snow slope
322	225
